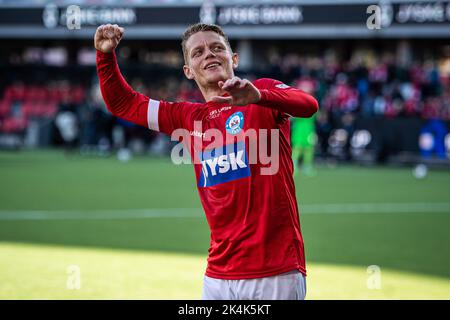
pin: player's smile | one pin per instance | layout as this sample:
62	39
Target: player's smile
212	65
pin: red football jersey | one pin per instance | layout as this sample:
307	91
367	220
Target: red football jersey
244	178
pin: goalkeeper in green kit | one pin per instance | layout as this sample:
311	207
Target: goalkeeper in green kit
303	140
303	133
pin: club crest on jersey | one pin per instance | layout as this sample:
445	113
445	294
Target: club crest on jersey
223	164
235	123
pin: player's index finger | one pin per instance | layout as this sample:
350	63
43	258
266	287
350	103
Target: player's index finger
219	99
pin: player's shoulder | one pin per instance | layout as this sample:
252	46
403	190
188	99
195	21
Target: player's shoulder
267	83
184	104
186	109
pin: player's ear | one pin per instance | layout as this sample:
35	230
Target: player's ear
188	72
235	59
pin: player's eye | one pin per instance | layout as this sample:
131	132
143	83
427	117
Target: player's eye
196	53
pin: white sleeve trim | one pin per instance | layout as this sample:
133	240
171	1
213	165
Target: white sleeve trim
152	115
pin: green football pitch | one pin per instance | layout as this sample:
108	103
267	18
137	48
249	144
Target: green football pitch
96	228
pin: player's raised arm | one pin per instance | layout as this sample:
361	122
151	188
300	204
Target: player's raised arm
121	100
270	93
289	100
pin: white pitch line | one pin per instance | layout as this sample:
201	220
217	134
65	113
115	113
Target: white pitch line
335	208
102	214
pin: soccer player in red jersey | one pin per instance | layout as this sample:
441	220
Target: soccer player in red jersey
256	248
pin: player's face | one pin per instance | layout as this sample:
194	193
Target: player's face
209	59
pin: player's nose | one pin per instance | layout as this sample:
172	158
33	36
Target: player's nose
209	53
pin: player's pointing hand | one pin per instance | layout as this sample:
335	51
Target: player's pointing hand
241	92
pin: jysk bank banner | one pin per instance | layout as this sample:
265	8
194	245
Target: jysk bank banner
269	19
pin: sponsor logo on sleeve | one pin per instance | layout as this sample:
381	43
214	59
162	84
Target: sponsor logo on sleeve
282	86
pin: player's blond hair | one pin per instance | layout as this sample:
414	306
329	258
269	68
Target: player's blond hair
200	27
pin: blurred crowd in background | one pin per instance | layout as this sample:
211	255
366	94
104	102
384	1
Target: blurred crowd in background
42	90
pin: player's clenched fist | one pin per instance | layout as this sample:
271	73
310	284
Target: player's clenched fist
107	37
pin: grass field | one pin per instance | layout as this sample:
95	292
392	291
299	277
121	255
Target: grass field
136	230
